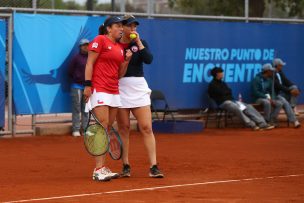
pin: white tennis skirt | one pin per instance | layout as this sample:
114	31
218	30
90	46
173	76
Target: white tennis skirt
102	99
134	92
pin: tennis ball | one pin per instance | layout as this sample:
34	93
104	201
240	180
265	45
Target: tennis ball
133	36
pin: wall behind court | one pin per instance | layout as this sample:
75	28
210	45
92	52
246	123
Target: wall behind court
42	49
184	52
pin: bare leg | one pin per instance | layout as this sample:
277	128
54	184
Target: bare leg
123	121
112	116
144	119
102	114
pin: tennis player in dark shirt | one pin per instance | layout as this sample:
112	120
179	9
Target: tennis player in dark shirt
135	97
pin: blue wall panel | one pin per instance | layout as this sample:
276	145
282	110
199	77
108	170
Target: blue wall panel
184	52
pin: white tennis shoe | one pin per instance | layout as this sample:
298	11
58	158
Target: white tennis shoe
110	173
76	134
104	174
101	175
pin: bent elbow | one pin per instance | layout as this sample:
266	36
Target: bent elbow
149	60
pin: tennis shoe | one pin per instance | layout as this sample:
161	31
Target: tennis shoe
274	123
297	124
76	134
267	127
155	172
126	170
110	173
101	175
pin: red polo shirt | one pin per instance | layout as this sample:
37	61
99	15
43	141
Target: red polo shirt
105	70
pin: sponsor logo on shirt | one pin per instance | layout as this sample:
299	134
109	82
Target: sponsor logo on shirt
99	102
95	45
134	49
109	47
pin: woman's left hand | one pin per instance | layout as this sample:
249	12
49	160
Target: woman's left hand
137	39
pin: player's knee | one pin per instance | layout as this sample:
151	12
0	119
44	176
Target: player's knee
146	129
104	122
266	103
279	104
124	128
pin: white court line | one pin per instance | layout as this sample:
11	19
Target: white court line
155	188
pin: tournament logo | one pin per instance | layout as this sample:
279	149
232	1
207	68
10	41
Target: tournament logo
95	45
134	48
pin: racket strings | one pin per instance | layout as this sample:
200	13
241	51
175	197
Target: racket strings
96	140
115	148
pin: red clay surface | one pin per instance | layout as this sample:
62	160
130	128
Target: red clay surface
55	166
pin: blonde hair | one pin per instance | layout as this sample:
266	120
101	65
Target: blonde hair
127	16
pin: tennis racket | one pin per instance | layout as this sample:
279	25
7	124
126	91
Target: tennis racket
96	140
115	146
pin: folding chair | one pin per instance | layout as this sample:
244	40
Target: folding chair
217	113
158	97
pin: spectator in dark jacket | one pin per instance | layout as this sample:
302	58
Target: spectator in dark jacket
283	86
76	72
219	91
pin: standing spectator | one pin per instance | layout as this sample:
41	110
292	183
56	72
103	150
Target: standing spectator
283	86
76	72
264	94
219	91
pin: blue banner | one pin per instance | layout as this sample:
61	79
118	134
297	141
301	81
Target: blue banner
43	47
184	53
2	71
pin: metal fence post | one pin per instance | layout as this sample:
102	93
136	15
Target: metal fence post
10	73
34	124
53	4
246	10
34	4
150	9
14	120
122	6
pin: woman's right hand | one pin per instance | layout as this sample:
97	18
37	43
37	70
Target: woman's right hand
129	54
87	93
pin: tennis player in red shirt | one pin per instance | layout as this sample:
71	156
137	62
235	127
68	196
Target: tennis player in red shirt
106	63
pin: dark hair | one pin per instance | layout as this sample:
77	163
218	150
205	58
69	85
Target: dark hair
102	30
216	70
108	23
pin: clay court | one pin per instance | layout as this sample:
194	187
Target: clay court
217	165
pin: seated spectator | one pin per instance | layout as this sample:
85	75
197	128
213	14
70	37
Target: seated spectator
264	94
219	91
285	87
